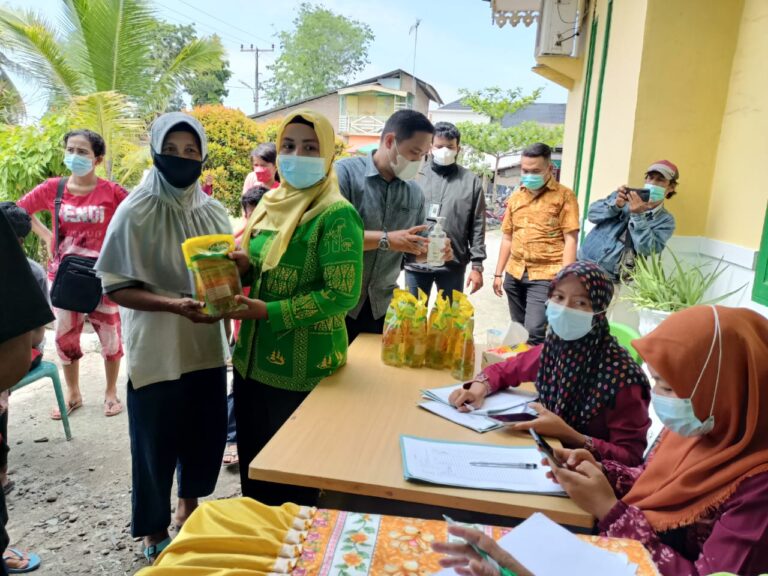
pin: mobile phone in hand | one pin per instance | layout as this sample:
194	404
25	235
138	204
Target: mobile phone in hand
546	449
643	193
513	418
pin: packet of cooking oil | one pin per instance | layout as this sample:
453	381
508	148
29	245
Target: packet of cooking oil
438	354
215	278
395	334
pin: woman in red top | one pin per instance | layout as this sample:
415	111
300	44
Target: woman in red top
591	393
87	207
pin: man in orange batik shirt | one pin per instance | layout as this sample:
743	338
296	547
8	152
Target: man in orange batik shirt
540	230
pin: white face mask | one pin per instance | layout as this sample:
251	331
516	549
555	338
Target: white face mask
444	156
677	413
403	168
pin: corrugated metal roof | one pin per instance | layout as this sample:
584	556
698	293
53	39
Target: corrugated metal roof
543	112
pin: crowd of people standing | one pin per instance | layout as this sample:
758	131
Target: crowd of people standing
319	251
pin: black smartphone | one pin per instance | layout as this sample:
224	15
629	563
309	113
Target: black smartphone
644	193
546	449
513	418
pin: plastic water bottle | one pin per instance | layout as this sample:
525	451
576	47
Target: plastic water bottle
436	244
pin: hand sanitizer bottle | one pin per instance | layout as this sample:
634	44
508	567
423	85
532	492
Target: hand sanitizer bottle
436	244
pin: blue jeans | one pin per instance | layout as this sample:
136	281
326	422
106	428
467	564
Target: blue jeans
231	424
527	304
447	280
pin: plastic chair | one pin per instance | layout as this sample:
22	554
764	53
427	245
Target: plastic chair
48	370
625	334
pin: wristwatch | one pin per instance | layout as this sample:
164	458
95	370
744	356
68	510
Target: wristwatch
478	268
384	241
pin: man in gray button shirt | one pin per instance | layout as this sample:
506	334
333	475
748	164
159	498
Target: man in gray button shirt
391	205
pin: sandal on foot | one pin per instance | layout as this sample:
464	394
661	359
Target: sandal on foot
152	551
230	456
14	555
71	407
8	487
112	408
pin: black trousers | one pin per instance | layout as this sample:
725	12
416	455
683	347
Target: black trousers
364	323
176	425
260	411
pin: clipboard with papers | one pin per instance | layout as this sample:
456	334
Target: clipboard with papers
503	402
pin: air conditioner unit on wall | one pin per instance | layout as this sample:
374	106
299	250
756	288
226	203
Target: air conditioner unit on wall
559	25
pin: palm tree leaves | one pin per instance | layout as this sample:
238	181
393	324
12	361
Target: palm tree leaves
109	41
38	52
103	46
113	116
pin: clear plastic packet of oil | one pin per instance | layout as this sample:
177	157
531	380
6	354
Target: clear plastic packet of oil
215	278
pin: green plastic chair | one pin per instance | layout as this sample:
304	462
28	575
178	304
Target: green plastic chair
48	370
625	334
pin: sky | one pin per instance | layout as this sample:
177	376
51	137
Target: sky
458	45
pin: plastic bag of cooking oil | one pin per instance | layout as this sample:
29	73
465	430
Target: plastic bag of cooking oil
392	336
415	333
439	327
405	330
215	278
462	346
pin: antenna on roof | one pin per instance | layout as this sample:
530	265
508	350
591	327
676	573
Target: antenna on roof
415	31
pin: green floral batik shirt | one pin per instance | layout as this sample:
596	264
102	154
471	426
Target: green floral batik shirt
308	295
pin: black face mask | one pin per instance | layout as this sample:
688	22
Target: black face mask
179	172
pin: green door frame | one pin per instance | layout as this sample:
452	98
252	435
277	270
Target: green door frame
596	118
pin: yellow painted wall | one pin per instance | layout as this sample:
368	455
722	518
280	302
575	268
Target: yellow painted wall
619	100
739	193
687	54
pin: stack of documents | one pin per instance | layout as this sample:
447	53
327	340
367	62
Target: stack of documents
503	402
547	549
483	466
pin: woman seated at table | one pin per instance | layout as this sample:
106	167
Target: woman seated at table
700	503
303	259
592	394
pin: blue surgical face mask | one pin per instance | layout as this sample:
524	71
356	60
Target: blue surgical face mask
677	413
532	181
301	171
657	193
568	323
78	165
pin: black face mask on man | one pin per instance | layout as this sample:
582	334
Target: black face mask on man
179	172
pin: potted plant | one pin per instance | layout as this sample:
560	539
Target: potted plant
656	292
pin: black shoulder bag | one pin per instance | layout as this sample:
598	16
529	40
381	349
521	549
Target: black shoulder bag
76	286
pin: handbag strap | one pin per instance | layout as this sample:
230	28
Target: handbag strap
56	209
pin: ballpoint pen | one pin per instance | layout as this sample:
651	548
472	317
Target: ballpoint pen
520	465
483	554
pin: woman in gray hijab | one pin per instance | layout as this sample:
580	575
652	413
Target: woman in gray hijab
177	411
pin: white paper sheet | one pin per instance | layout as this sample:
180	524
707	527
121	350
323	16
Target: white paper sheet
473	421
499	402
476	466
547	549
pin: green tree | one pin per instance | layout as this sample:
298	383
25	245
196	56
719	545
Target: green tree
29	155
101	46
231	137
12	108
206	87
322	52
494	139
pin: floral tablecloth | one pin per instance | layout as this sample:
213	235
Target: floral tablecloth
353	544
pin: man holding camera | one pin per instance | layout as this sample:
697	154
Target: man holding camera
631	222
